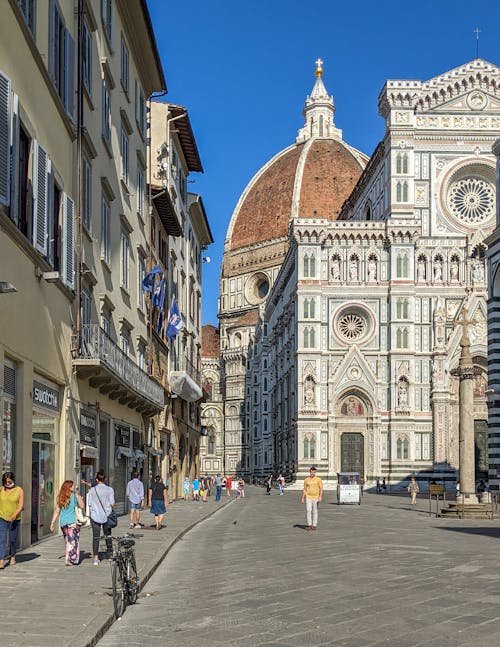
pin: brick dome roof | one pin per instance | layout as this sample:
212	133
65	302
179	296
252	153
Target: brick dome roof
310	179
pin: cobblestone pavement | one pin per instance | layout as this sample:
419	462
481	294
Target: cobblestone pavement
46	603
378	574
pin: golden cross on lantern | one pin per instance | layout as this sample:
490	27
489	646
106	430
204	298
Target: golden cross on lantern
319	68
477	31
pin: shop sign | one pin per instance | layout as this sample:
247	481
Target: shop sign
122	435
44	396
88	426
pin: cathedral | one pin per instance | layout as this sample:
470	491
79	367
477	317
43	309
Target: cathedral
341	283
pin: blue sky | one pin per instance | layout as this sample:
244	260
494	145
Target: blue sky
243	70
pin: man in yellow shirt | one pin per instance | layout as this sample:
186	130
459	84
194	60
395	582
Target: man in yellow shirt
312	494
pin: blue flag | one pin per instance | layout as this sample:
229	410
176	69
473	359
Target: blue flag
148	282
174	323
158	298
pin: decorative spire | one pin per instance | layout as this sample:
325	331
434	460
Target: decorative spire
318	111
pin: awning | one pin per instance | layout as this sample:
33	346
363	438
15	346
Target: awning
139	454
88	451
123	451
184	386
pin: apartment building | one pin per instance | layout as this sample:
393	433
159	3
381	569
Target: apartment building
180	233
75	396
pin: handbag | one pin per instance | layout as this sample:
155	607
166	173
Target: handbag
81	517
112	519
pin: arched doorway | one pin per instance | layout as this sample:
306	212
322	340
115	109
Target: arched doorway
353	425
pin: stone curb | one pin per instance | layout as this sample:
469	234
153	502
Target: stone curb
144	578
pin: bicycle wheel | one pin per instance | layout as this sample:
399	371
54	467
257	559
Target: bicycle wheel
132	579
118	583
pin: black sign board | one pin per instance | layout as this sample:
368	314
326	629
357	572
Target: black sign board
88	426
122	435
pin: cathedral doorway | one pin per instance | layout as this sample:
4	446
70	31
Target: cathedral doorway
352	453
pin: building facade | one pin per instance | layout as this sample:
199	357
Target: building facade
213	457
351	364
493	330
76	395
179	234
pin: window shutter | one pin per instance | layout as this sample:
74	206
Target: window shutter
14	177
68	269
41	172
69	71
52	37
5	116
137	112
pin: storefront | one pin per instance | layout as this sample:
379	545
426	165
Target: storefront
44	441
88	448
9	417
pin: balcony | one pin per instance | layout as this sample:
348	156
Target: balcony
110	370
185	380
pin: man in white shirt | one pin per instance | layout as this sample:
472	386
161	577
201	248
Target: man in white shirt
135	494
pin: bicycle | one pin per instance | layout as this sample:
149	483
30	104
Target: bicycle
124	578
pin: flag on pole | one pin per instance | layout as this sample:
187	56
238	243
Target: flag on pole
158	298
174	323
148	282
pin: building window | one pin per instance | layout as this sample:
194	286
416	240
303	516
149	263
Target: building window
402	192
124	148
309	265
62	59
124	67
402	309
309	446
309	308
105	231
309	338
402	338
106	323
140	190
86	194
211	444
141	356
141	273
28	9
402	163
402	265
402	447
422	447
86	308
124	260
140	109
106	112
87	58
107	18
125	343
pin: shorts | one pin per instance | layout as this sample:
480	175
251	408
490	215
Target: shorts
135	506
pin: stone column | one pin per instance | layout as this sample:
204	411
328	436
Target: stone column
465	372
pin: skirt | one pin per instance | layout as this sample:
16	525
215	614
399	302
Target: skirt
158	506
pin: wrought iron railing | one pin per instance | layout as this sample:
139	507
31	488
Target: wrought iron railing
96	344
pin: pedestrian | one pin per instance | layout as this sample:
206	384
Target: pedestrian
11	505
378	484
218	487
158	500
229	485
196	488
186	487
241	488
413	489
67	502
101	500
281	484
384	486
312	494
135	495
269	484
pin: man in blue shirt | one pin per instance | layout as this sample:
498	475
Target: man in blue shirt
218	487
135	494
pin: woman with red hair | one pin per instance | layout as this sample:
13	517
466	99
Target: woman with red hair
67	501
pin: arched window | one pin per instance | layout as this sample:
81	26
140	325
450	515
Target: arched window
306	337
398	192
265	384
255	415
306	265
402	192
312	266
312	307
402	163
306	308
265	424
405	191
402	447
321	125
368	211
309	446
265	363
265	406
402	265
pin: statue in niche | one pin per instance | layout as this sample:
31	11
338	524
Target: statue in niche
353	269
478	271
335	268
454	271
403	394
480	385
372	269
309	395
438	269
421	269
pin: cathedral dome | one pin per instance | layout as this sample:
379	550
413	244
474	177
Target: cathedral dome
310	179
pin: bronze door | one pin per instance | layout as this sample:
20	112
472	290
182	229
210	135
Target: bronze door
352	453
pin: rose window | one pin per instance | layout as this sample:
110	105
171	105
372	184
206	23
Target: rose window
471	200
352	326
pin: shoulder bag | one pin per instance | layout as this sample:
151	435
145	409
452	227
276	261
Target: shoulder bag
81	517
112	520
